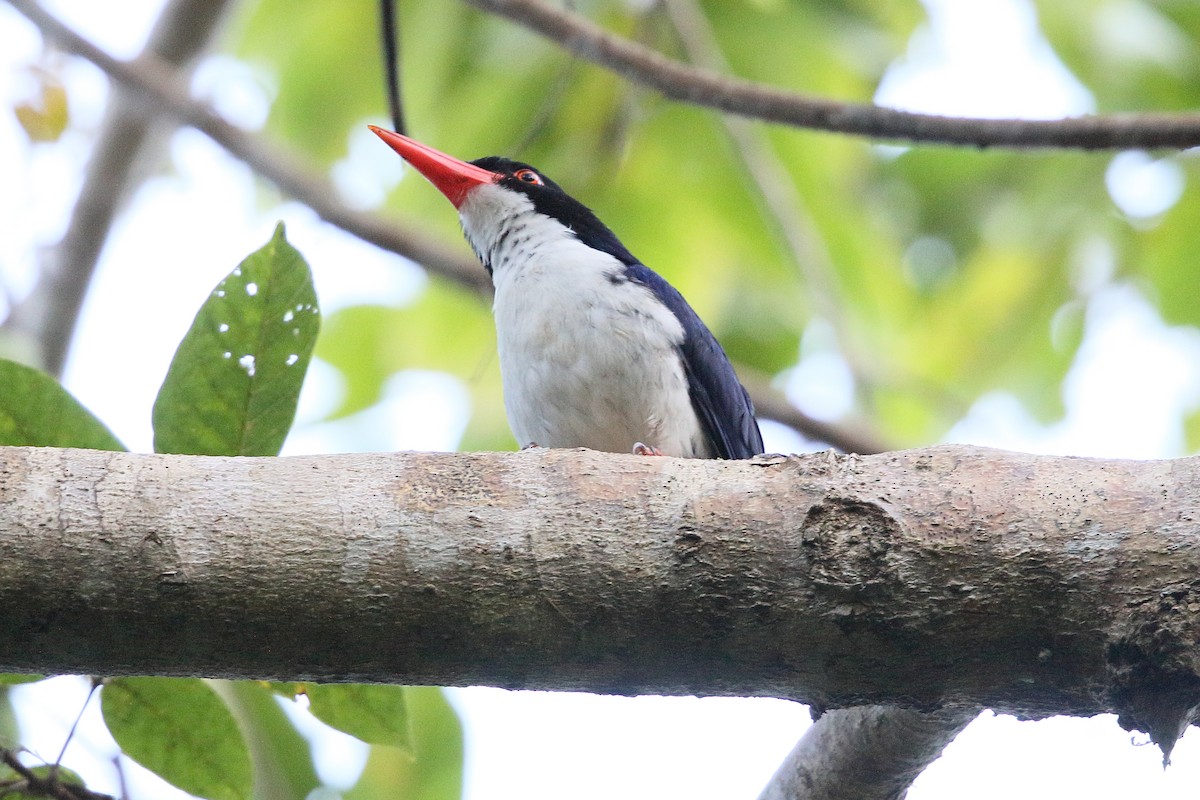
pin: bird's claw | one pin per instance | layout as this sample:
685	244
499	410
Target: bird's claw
640	449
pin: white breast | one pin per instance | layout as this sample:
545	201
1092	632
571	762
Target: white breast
586	360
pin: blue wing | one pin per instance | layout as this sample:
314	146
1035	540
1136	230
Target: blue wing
718	397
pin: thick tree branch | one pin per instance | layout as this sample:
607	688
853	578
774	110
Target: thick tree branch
952	576
746	98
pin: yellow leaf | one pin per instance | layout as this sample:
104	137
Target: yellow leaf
45	117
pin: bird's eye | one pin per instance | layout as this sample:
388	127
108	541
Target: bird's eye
528	176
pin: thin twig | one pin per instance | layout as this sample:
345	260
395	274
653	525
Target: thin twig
769	403
749	99
74	725
51	785
119	768
390	40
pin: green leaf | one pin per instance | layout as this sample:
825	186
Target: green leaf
373	713
11	679
283	766
10	734
233	385
1191	431
36	412
436	771
179	729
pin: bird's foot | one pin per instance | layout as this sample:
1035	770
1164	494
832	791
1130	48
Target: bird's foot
531	446
640	449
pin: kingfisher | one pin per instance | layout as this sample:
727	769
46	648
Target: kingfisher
596	349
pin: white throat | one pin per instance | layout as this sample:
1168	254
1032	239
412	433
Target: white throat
588	358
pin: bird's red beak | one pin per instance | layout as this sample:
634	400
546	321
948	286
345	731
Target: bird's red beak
452	177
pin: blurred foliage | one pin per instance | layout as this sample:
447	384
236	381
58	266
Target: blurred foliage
372	713
55	782
946	274
282	761
434	770
12	679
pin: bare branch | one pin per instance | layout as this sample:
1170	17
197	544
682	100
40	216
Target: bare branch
865	753
769	403
51	310
749	99
158	83
947	577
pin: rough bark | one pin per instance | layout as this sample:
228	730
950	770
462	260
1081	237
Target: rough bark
865	753
952	576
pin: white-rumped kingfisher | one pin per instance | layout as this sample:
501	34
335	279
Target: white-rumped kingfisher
596	350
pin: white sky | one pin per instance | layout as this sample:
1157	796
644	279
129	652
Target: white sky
190	226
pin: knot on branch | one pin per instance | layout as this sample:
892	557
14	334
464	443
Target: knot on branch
847	543
1155	666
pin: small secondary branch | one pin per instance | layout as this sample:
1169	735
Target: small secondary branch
865	753
770	403
952	576
681	82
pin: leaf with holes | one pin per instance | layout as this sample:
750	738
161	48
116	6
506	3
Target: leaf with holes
233	385
36	412
373	713
179	729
